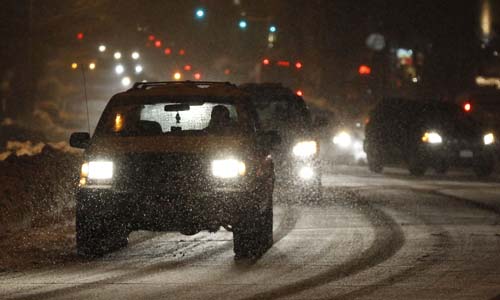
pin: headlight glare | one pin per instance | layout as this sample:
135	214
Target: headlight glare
228	168
305	149
98	170
343	139
489	139
432	137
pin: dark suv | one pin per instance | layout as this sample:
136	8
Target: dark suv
427	134
176	156
297	158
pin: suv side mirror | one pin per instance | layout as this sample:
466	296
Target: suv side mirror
269	139
79	140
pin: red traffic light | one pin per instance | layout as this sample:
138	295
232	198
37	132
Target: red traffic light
79	35
265	61
364	70
467	106
167	51
157	43
298	65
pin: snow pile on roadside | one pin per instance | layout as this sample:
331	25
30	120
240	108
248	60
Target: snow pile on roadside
37	184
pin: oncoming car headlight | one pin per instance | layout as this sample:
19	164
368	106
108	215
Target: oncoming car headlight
228	168
432	137
305	149
96	170
489	139
342	139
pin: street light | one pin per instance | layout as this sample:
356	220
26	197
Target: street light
138	69
74	66
117	55
92	66
119	69
126	81
135	55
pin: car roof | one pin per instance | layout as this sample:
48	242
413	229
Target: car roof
265	88
185	90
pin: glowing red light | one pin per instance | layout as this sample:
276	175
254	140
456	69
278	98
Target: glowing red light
80	35
182	52
298	65
167	51
187	67
157	43
227	71
151	38
266	61
283	63
197	76
299	93
468	106
364	70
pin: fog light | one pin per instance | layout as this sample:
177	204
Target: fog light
306	173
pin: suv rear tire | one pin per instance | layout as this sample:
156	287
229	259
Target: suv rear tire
374	162
254	235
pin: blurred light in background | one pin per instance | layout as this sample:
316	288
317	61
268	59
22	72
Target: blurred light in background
299	93
177	76
187	68
227	71
119	69
266	61
197	76
272	28
182	52
135	55
79	35
167	51
298	65
157	43
126	81
151	38
92	66
243	24
102	48
200	13
117	55
138	69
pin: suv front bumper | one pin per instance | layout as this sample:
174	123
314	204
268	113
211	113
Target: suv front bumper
159	211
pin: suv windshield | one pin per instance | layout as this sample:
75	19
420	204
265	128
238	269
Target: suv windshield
169	117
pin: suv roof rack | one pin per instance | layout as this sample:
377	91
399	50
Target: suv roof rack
200	84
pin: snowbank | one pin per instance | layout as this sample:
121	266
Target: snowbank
37	182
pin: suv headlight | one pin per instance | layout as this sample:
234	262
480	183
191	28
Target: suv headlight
432	137
342	139
489	139
305	149
228	168
96	170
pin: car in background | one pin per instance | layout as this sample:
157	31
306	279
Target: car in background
296	160
176	156
344	144
427	134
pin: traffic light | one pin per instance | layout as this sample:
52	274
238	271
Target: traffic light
79	35
266	61
157	43
298	65
200	13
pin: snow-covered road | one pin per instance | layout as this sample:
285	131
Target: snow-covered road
388	236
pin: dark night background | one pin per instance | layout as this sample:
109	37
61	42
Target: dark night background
39	44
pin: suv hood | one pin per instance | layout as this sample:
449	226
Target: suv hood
207	144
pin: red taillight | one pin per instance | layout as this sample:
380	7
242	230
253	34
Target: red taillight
467	107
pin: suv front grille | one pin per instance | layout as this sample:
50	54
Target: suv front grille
173	173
